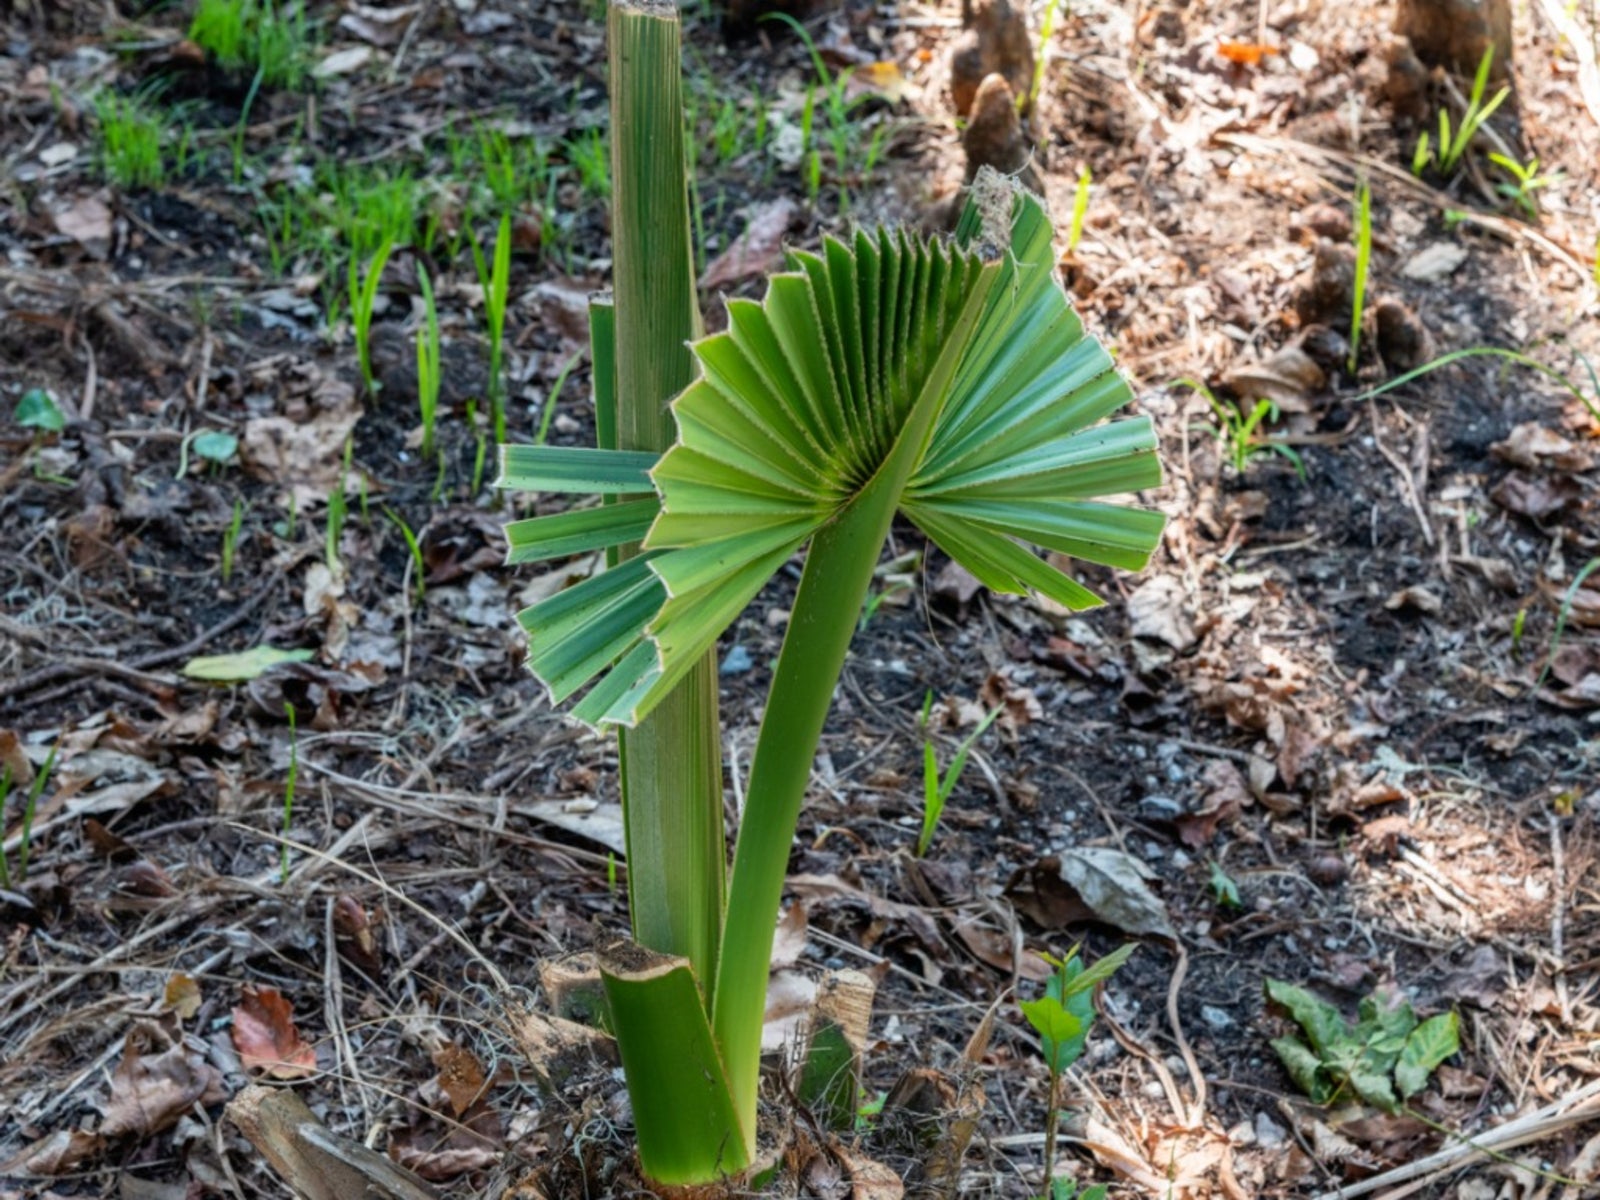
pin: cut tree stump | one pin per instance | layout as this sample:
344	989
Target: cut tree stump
1453	34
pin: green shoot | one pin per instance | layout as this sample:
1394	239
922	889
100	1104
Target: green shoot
130	137
274	40
1565	612
29	806
1240	432
1525	181
1080	207
1223	889
936	788
334	530
1363	232
428	361
611	873
288	794
494	276
1519	625
1047	29
1454	143
1422	155
363	292
1062	1017
414	548
543	433
230	540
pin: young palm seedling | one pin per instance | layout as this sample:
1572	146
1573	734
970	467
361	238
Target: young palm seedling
1080	208
936	788
363	290
1454	142
1525	181
947	381
230	540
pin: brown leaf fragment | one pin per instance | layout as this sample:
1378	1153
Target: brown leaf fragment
182	996
756	251
955	583
355	935
159	1078
1531	446
265	1036
1535	496
1158	611
1018	704
1092	883
87	221
63	1151
1225	796
461	1077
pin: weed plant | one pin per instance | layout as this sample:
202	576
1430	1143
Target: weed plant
130	135
30	805
1363	236
230	540
363	291
428	362
494	276
270	39
936	788
1240	432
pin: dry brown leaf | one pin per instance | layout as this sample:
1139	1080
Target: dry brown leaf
87	221
1532	446
63	1151
159	1078
461	1077
1158	610
789	942
1018	705
1536	496
790	996
265	1036
756	251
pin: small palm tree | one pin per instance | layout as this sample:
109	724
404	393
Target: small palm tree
949	381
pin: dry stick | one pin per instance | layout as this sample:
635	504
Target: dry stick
1408	484
1581	1106
1558	918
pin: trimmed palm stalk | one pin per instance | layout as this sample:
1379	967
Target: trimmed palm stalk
671	761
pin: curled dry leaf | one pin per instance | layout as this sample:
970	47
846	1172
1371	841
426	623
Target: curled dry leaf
1093	883
1158	611
159	1077
1532	447
265	1036
63	1151
182	996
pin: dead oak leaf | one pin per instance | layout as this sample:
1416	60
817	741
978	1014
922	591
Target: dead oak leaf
755	251
461	1076
63	1151
265	1036
151	1088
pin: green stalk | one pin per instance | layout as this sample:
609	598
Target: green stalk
833	586
672	762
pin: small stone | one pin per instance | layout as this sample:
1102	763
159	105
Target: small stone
1327	869
1269	1134
1215	1017
737	661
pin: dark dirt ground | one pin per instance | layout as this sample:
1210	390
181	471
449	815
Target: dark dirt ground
1337	690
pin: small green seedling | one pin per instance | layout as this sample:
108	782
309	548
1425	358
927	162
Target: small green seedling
272	39
288	794
429	368
333	531
1062	1017
1565	612
1422	155
590	156
1455	142
363	291
413	547
29	806
209	445
1240	432
230	540
1223	889
936	788
37	409
494	276
1525	181
1363	235
1047	29
1384	1059
130	137
1080	208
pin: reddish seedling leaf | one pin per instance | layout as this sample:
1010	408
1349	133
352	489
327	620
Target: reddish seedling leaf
265	1036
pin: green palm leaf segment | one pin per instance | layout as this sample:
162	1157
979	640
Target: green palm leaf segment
979	374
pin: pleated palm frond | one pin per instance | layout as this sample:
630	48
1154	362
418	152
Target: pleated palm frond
977	357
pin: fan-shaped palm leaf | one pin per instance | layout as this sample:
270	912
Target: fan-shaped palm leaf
970	385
